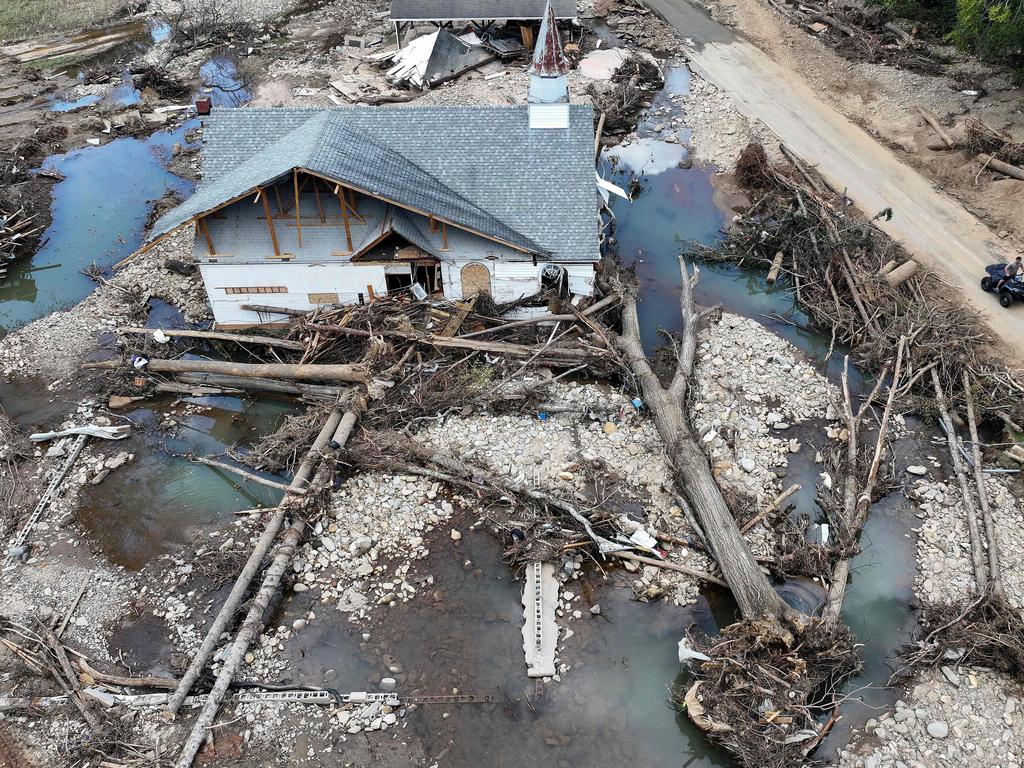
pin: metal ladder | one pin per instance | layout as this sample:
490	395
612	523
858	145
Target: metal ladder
46	499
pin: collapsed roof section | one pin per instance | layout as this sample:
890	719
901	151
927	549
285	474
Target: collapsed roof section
480	169
478	10
436	57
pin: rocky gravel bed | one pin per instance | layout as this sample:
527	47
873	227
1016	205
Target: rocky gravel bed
55	345
718	132
945	570
752	388
952	717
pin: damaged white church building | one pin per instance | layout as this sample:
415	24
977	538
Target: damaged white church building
302	207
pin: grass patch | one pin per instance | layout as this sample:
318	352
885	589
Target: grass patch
27	19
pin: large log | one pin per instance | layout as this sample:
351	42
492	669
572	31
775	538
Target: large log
856	505
249	630
995	571
690	469
970	509
263	385
939	130
1004	168
241	338
902	273
461	342
303	372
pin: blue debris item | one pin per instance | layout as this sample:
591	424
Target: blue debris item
637	403
543	415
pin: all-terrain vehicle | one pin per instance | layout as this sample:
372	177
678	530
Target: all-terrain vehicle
1012	289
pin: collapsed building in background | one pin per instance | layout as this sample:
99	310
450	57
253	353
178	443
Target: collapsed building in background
301	208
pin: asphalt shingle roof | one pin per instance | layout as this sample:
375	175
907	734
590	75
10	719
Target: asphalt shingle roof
477	10
482	168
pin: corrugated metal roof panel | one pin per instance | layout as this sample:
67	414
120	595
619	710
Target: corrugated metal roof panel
477	10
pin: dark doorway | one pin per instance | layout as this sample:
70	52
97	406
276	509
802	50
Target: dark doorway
396	283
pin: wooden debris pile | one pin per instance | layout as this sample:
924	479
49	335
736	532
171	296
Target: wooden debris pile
768	701
977	631
631	89
854	280
863	33
18	232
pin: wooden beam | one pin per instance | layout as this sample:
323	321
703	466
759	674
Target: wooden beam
298	223
206	233
343	194
344	217
444	236
407	207
270	222
319	205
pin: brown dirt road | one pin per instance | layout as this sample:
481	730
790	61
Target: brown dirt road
931	225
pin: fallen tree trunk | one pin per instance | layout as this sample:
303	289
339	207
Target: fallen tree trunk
690	470
249	630
307	372
1004	168
995	571
902	273
263	385
267	341
336	431
269	310
939	130
696	573
857	505
970	510
243	473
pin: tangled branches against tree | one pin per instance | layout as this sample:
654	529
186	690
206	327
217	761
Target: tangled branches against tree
769	697
199	24
629	90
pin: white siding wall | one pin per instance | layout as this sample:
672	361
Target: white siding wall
512	280
346	280
509	281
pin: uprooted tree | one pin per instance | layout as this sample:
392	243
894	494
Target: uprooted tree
690	468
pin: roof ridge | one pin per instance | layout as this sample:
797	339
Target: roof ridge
334	123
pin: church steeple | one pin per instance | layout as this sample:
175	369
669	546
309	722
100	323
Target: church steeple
549	95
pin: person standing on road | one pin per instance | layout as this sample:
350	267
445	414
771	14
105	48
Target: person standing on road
1010	271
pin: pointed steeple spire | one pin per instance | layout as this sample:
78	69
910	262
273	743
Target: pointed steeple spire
548	57
549	93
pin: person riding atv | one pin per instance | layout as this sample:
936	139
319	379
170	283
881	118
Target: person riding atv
1005	279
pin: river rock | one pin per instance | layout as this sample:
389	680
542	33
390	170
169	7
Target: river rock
917	469
937	729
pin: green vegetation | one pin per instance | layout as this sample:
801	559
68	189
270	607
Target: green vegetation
27	18
990	29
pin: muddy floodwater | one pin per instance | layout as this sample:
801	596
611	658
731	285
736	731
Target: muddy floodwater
611	707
